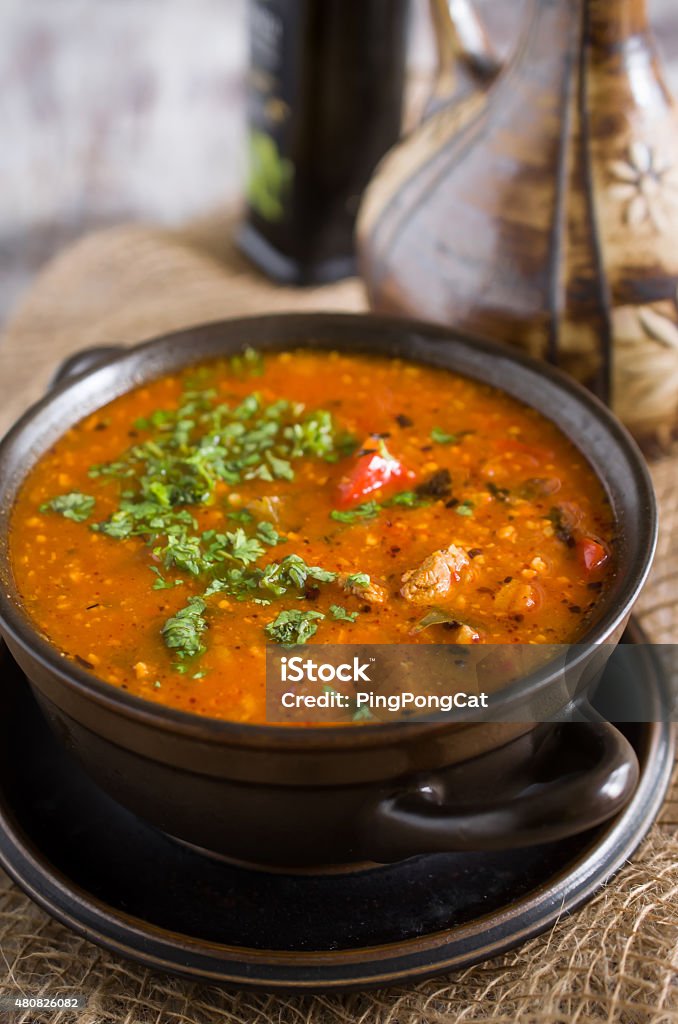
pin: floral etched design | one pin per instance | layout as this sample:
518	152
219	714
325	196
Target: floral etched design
646	183
646	365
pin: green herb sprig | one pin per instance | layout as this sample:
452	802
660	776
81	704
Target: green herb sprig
75	506
182	632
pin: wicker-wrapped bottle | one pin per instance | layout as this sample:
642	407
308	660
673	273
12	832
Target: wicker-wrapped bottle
543	209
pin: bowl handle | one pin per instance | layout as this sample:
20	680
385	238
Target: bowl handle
553	783
83	361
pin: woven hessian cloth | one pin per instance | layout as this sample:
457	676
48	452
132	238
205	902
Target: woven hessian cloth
614	960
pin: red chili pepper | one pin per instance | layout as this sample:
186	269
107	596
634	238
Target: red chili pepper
374	468
592	554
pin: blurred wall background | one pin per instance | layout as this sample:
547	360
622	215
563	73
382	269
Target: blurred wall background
113	110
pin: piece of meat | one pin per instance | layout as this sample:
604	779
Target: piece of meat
370	593
466	635
518	597
435	576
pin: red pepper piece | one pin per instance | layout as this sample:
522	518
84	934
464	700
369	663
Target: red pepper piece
374	468
592	553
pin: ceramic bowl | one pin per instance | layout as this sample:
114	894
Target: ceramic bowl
287	796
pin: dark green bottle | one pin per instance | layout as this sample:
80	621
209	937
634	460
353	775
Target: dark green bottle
324	104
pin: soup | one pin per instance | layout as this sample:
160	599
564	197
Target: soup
305	497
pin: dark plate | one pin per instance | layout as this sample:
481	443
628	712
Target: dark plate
120	883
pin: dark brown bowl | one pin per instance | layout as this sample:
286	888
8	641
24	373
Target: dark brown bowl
307	796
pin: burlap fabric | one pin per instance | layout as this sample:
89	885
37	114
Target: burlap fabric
614	960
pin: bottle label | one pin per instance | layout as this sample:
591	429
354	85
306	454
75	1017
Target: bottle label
271	93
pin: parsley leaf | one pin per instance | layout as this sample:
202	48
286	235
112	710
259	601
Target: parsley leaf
143	518
441	437
240	516
75	506
238	583
409	499
182	631
314	435
267	533
465	508
368	510
340	614
371	509
293	626
293	571
281	468
183	551
161	583
247	407
244	549
357	579
249	364
362	714
275	579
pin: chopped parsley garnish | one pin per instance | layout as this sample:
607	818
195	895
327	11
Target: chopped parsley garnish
75	506
280	468
205	442
237	583
146	519
182	551
267	533
249	364
274	580
441	437
182	632
408	499
161	583
240	516
181	459
368	510
315	435
371	509
339	613
357	579
465	508
362	714
292	626
293	571
241	547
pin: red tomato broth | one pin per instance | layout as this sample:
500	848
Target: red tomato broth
525	579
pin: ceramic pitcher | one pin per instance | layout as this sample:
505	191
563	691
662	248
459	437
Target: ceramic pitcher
541	209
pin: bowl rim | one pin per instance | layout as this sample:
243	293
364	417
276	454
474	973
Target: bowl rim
16	623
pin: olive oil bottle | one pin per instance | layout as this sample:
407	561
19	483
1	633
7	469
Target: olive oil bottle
325	97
